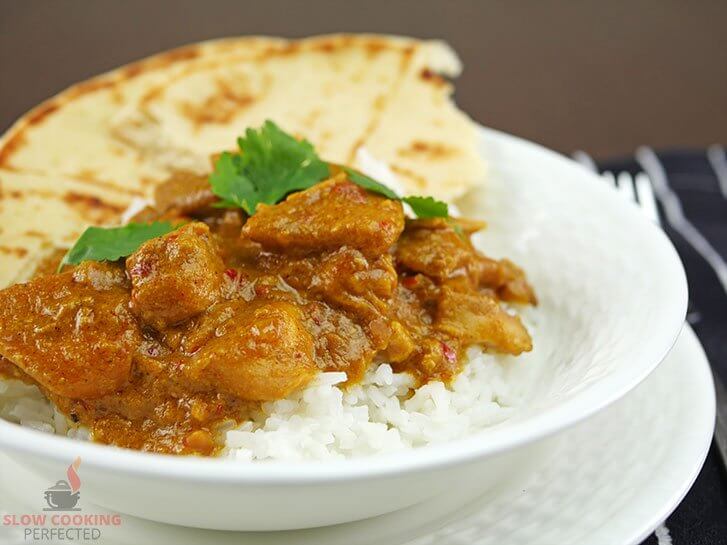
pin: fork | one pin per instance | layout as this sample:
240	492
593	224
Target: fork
638	190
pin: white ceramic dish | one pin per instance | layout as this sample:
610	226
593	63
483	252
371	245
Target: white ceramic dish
608	481
613	299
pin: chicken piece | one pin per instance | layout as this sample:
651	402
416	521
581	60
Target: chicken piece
101	276
401	345
327	216
505	278
186	193
72	332
347	280
176	276
478	318
515	287
433	248
340	343
261	354
436	252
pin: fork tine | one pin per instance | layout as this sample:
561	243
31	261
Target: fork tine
609	177
647	201
625	185
586	160
718	159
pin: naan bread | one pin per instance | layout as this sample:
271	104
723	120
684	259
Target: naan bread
39	212
116	136
70	134
341	93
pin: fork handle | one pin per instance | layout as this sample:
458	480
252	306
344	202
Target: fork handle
720	430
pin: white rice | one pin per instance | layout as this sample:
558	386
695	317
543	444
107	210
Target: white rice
382	413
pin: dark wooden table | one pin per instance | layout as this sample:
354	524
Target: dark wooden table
601	76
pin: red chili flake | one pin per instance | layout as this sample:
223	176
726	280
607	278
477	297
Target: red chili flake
231	274
141	269
385	225
351	191
410	281
449	353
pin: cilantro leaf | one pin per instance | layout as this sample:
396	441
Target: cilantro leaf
112	243
233	187
370	184
423	207
279	164
271	164
427	207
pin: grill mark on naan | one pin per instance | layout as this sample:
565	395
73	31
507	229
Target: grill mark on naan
41	212
13	143
14	138
202	114
222	106
82	178
253	56
380	102
420	181
431	150
432	77
92	208
18	194
14	251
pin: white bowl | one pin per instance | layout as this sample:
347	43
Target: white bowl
612	295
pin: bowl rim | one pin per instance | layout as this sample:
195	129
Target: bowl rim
589	400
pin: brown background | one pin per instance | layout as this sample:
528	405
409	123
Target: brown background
601	76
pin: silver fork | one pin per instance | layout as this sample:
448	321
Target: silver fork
639	191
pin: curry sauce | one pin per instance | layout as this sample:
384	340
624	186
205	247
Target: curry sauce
197	327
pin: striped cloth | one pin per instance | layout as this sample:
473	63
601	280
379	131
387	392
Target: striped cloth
691	187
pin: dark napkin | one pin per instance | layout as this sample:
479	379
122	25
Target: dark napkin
701	518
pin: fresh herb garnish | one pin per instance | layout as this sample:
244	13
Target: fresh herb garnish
271	164
112	243
360	179
234	189
423	207
427	207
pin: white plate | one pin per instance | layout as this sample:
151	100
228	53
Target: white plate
611	481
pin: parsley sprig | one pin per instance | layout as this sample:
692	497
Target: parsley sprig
271	164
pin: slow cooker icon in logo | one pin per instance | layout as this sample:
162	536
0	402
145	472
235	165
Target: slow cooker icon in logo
64	495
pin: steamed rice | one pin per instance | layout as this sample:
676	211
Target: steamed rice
382	413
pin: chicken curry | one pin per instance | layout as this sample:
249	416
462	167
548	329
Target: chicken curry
193	329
